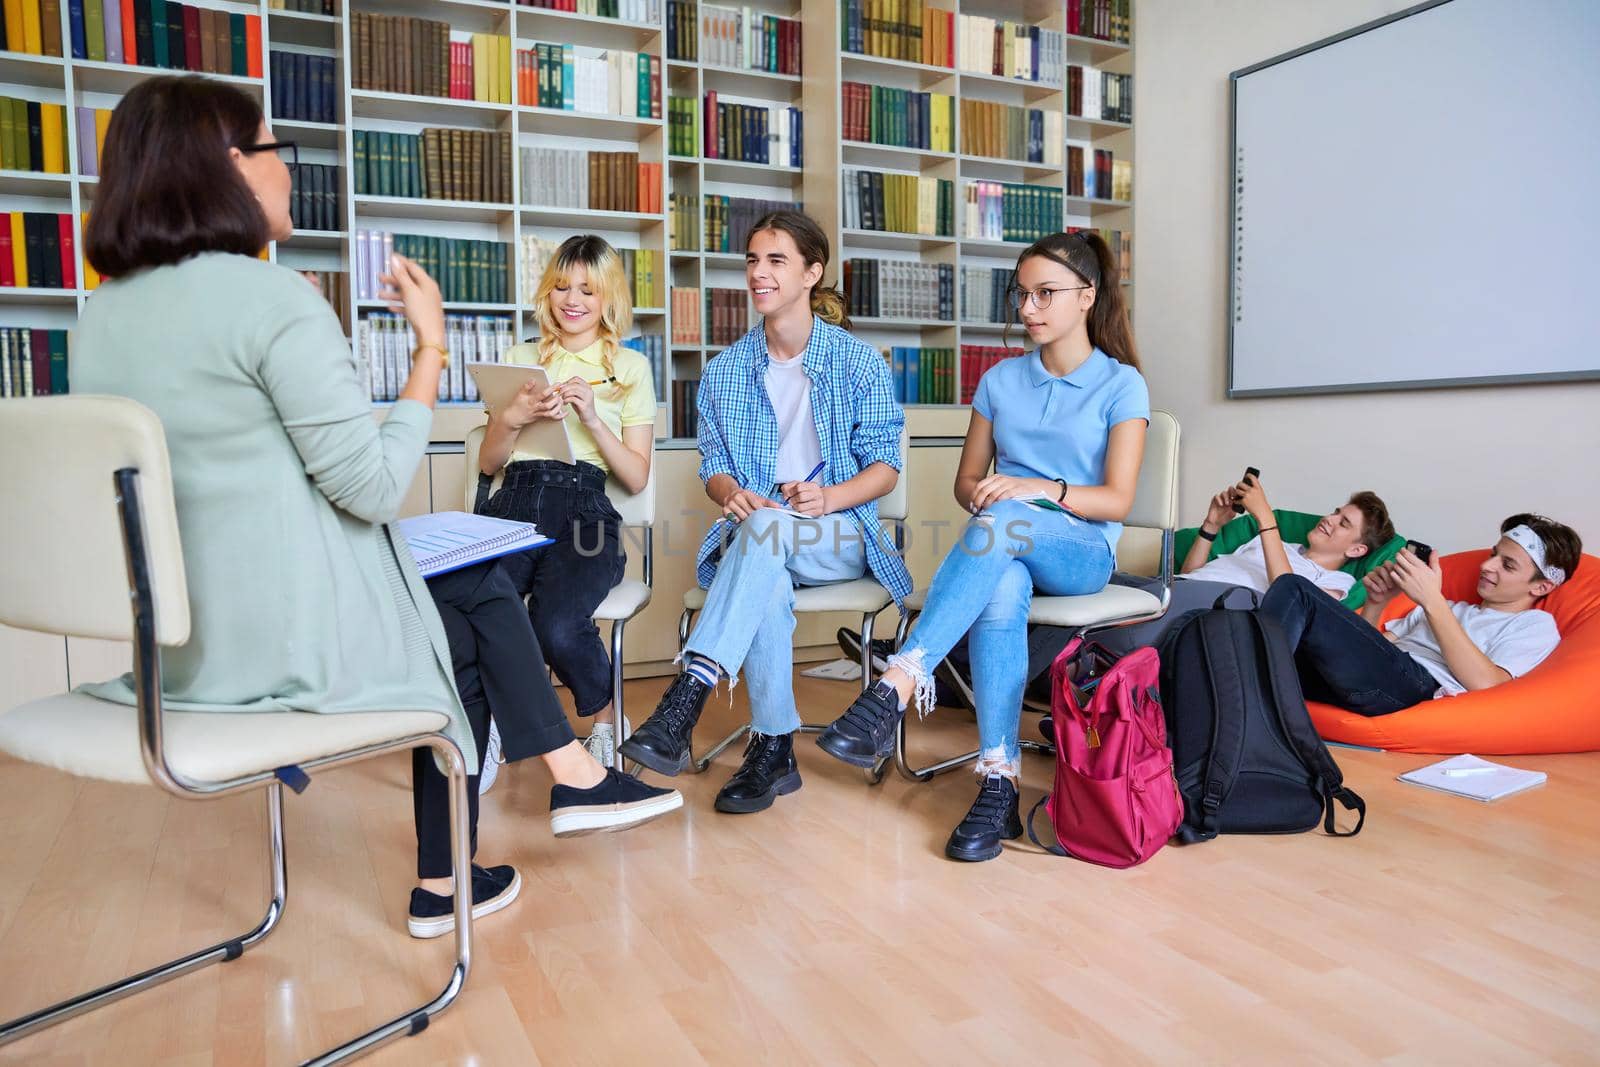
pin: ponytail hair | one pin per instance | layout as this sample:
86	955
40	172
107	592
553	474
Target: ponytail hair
1086	254
827	302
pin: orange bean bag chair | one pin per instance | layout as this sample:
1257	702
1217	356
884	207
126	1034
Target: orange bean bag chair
1553	708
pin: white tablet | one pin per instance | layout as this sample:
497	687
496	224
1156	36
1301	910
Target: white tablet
498	384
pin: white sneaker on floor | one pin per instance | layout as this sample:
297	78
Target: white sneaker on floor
602	741
491	761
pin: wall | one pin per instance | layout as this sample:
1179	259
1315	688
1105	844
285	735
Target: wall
1451	462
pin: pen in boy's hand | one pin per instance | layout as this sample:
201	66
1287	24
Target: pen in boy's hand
777	487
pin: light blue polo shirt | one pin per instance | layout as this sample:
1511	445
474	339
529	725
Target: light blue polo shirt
1049	427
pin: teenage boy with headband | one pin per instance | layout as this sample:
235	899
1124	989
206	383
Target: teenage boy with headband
1441	647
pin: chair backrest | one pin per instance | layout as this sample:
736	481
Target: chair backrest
897	505
636	509
63	564
1155	501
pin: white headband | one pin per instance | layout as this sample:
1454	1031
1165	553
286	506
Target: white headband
1533	545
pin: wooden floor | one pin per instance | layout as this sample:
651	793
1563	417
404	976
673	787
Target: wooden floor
829	930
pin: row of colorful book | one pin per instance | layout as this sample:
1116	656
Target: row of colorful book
1002	131
685	307
1007	211
598	181
1096	94
38	250
384	342
728	219
305	87
307	7
626	10
1096	173
685	413
752	133
900	289
976	361
439	163
421	57
1007	49
983	294
899	203
468	271
683	222
33	362
598	81
162	33
32	26
726	315
1108	20
735	37
901	118
922	375
314	197
896	29
33	136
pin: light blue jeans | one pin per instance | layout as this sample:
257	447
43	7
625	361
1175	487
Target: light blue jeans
748	620
985	585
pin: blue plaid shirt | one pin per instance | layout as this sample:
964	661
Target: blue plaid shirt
858	424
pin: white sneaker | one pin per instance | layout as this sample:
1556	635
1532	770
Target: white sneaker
491	761
602	741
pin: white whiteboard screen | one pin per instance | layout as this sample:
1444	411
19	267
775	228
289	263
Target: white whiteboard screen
1419	203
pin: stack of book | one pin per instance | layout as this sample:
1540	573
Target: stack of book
1108	20
685	415
304	87
900	118
92	125
752	133
747	40
900	289
38	251
976	361
983	294
153	33
683	126
1094	94
916	33
314	197
683	38
654	349
684	223
598	81
899	203
32	362
923	375
729	219
468	272
436	164
626	10
1011	50
385	341
728	312
33	136
685	316
26	28
1004	211
1001	131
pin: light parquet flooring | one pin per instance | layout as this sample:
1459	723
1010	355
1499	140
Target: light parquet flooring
828	930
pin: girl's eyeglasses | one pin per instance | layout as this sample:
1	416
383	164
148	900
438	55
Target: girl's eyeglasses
1041	297
288	151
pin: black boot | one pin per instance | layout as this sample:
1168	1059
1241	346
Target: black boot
993	819
864	734
662	741
768	772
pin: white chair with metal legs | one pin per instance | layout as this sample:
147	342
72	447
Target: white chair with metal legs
862	595
631	595
92	530
1155	507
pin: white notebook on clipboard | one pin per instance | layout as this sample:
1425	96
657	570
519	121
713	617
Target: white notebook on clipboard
498	384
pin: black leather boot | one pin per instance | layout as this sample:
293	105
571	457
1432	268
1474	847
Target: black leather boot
768	772
662	741
993	819
864	734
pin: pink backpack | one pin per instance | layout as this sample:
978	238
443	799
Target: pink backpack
1115	800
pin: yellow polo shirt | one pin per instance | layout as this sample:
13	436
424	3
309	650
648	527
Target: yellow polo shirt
629	401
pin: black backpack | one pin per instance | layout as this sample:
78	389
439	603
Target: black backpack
1245	754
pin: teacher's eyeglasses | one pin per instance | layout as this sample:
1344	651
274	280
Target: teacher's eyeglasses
1041	297
288	151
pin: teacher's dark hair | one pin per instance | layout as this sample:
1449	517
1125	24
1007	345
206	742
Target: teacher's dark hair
168	189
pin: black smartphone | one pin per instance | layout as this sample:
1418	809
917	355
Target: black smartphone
1250	475
1420	550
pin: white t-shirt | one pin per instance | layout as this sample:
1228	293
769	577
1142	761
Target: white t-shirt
1247	566
799	449
1515	641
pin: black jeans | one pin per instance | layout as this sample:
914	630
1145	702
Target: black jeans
1342	658
500	673
567	580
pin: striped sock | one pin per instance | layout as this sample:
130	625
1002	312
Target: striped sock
706	670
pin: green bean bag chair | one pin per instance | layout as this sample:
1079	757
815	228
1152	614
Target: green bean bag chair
1293	526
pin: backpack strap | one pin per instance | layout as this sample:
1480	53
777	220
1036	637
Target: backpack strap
485	483
1034	837
1227	730
1330	779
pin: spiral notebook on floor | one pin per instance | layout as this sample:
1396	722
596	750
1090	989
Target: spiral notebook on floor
449	540
1469	776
